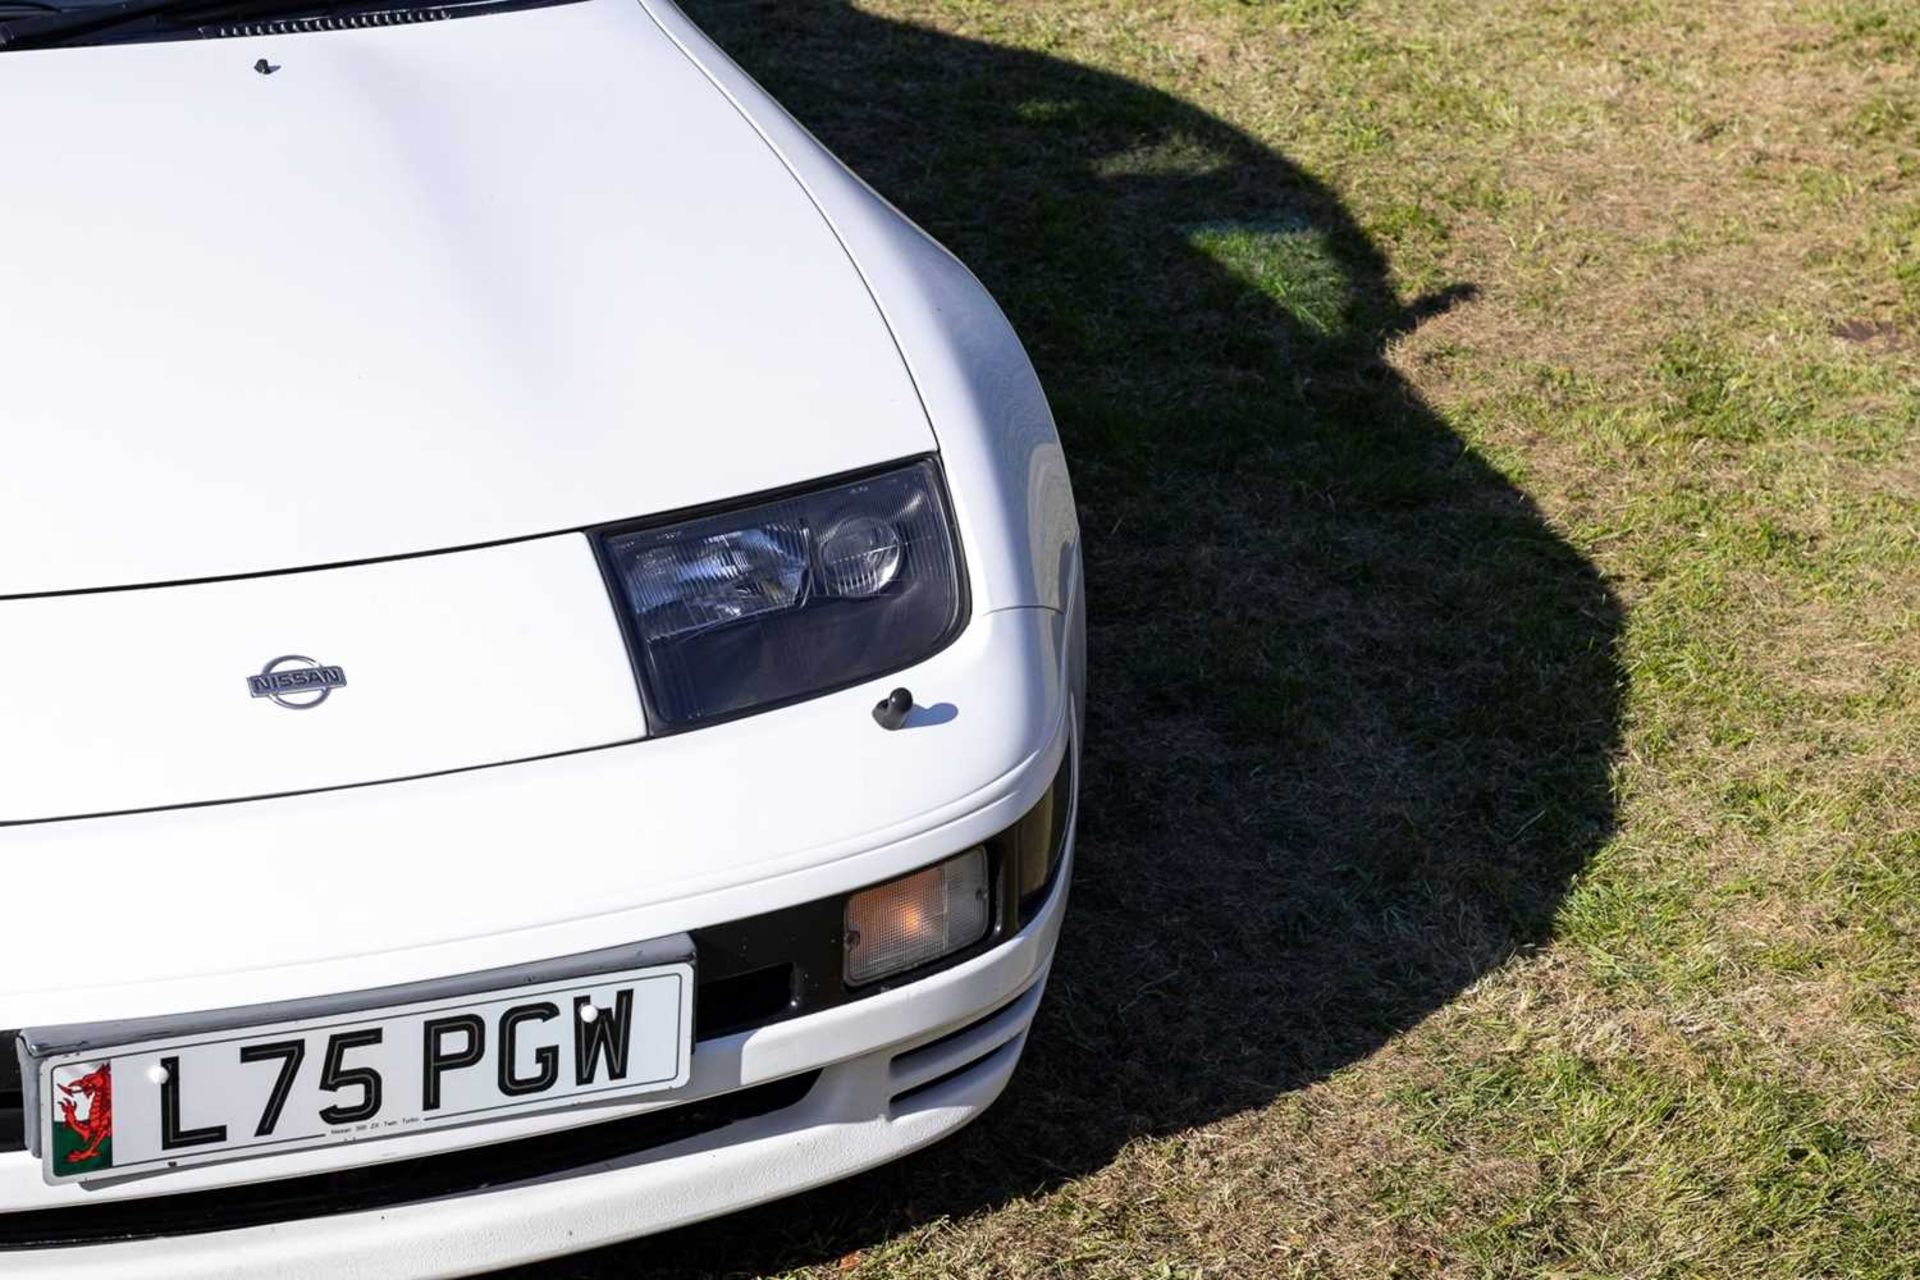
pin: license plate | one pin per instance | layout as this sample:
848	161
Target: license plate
170	1103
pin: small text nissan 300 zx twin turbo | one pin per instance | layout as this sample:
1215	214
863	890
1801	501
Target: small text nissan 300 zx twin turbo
541	644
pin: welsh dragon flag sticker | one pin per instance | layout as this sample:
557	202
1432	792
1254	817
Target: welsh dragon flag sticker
82	1104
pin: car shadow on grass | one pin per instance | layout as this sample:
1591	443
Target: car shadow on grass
1353	705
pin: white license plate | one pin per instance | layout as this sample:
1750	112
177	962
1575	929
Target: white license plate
163	1104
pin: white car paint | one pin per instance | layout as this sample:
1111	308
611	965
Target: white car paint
552	675
484	281
423	287
644	840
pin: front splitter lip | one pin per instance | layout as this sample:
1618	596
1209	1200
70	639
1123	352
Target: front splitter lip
877	1099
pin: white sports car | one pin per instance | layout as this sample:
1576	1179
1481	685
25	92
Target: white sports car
541	650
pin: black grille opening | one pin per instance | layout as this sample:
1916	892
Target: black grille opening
12	1120
401	1182
743	1001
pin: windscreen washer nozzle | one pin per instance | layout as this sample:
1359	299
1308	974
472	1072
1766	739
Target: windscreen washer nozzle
891	712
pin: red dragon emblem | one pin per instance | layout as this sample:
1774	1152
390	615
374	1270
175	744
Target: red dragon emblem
96	1126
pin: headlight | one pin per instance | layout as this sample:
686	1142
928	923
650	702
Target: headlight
796	597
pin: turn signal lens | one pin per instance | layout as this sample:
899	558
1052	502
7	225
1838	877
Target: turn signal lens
915	920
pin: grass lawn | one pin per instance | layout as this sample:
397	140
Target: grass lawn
1497	434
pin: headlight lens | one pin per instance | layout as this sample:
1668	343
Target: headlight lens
792	598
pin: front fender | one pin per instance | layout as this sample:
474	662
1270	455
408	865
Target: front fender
997	439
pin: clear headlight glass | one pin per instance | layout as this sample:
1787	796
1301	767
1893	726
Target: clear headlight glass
796	597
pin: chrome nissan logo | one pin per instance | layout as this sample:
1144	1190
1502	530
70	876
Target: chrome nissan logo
295	682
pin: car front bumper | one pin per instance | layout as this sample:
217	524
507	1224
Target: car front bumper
889	1072
902	1070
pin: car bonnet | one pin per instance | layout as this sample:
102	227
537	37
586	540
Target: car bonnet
418	288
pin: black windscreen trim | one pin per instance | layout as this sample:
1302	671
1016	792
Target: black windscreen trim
286	18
